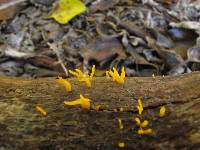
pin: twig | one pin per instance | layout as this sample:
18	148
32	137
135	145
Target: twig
55	49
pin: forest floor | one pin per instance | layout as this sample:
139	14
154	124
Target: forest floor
155	43
148	37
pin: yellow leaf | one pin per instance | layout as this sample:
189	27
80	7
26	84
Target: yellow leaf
65	10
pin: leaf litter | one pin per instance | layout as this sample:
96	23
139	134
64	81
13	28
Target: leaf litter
146	37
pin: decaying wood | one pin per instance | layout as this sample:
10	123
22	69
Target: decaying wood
66	127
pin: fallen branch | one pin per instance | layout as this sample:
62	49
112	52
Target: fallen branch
67	127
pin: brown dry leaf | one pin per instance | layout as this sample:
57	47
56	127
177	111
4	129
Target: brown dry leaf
181	48
191	25
139	60
103	5
45	62
167	2
183	39
103	49
195	2
132	28
107	29
170	58
9	8
194	54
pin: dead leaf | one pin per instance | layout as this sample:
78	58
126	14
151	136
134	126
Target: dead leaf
45	62
103	49
102	5
9	8
194	54
65	10
133	29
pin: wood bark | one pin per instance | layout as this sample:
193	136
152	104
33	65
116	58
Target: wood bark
70	127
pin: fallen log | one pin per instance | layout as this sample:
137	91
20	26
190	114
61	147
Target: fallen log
65	127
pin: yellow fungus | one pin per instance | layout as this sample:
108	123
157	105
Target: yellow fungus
115	110
141	124
144	124
41	110
97	108
137	120
140	106
92	72
145	131
162	111
84	102
76	73
107	75
121	126
121	144
153	76
115	75
65	83
84	77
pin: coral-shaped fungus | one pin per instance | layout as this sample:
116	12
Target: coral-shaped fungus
162	111
41	110
65	83
140	106
153	76
121	109
115	75
141	124
98	107
84	77
142	131
121	144
121	126
84	102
